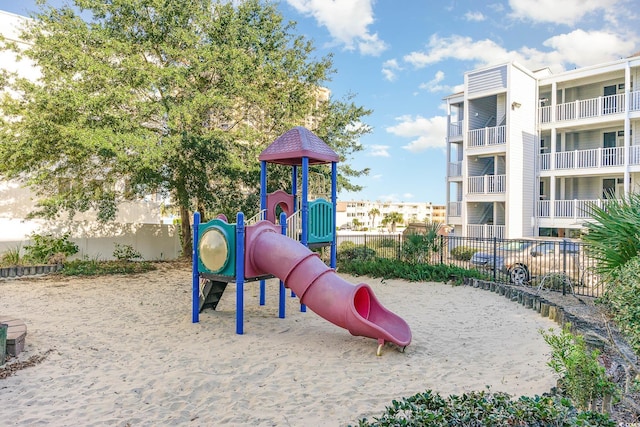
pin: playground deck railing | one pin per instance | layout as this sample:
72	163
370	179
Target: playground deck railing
294	225
257	217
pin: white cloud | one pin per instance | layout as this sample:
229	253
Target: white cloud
474	16
379	151
347	21
434	84
584	48
577	48
408	196
456	47
389	68
426	132
567	12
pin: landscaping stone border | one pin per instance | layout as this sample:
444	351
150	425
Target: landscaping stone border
28	270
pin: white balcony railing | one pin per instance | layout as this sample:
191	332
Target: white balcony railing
454	209
485	231
593	107
568	209
584	159
455	169
455	129
488	136
487	184
634	155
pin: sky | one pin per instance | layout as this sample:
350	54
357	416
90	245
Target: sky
400	58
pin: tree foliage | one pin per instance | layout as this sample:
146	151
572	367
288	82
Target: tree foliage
614	233
162	97
393	218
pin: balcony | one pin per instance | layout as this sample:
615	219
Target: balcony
455	169
454	209
487	184
455	129
487	136
485	231
568	209
594	158
589	108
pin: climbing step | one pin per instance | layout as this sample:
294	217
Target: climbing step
211	294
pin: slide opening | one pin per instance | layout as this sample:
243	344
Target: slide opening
362	302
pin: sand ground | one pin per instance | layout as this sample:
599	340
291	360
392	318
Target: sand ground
125	353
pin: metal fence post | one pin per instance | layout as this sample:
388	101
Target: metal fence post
564	266
441	249
495	257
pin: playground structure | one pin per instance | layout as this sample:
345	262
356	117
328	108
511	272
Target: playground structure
259	249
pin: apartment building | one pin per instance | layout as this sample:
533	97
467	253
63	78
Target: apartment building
361	211
529	152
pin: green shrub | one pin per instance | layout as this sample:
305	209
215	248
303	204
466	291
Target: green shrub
125	253
396	269
483	408
622	297
463	253
582	378
358	253
418	248
44	247
95	267
11	257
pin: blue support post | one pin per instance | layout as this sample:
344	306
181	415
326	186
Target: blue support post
305	209
282	295
334	202
294	187
305	200
263	291
263	186
195	274
240	273
263	206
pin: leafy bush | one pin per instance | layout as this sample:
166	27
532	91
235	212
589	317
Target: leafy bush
479	409
462	253
622	297
582	378
358	253
396	269
418	248
125	253
95	267
44	247
11	257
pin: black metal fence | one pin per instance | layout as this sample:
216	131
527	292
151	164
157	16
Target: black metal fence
561	265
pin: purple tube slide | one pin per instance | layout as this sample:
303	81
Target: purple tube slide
352	307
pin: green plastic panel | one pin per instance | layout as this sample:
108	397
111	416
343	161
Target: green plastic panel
321	227
217	248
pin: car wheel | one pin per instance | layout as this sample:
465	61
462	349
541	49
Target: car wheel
519	274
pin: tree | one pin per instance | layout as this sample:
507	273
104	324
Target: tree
356	224
162	96
373	213
393	218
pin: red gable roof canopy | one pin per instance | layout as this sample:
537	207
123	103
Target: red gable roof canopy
290	147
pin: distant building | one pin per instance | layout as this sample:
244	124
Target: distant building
361	210
528	152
